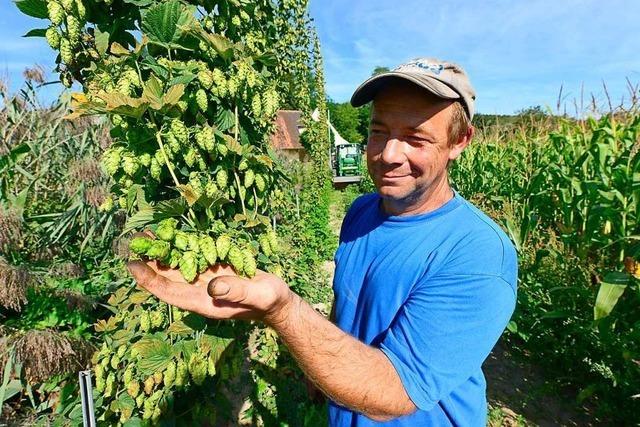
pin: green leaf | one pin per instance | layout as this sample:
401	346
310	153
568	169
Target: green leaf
155	355
34	8
610	291
36	32
224	119
162	23
102	41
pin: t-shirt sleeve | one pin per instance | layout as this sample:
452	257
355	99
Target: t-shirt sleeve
444	332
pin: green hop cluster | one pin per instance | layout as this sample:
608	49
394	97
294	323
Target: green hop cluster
157	318
223	244
167	229
66	51
189	265
261	183
205	138
249	178
236	258
73	30
182	373
169	374
149	384
145	322
133	388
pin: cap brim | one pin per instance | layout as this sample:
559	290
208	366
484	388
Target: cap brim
368	90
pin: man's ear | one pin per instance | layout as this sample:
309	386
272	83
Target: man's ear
458	147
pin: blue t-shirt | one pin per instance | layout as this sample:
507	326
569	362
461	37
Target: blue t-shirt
434	292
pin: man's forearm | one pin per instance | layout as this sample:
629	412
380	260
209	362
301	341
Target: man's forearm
348	371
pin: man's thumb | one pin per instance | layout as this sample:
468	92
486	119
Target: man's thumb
227	288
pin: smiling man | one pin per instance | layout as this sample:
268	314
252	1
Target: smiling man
425	283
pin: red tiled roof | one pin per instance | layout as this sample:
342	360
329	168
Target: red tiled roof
287	136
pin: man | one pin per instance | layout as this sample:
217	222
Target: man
425	283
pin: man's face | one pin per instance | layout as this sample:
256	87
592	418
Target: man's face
408	149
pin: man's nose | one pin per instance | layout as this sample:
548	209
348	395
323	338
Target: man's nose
393	151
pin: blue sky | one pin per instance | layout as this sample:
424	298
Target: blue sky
517	53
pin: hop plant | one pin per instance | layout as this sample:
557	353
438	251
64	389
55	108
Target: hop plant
201	100
56	12
205	138
53	37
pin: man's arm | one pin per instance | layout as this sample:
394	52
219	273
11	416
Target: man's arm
350	372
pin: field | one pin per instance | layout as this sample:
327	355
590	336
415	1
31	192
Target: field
155	140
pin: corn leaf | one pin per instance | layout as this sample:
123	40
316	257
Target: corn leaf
610	291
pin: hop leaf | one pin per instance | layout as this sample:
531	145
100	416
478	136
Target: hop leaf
167	229
140	245
208	249
223	244
189	265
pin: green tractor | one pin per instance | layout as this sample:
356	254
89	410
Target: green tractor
347	159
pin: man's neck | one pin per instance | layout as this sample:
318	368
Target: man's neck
431	200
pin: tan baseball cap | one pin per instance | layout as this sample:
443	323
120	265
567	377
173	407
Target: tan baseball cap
442	78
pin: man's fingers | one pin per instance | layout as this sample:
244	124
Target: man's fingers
147	278
228	288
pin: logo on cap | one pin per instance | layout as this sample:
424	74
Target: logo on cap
426	66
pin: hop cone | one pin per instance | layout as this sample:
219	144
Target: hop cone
174	258
256	105
133	388
205	78
210	189
56	12
189	265
81	10
157	377
235	258
53	37
249	263
181	240
180	131
223	244
194	243
73	29
130	164
182	373
261	185
167	229
169	375
263	240
273	241
159	249
155	169
197	368
208	249
148	385
145	322
140	245
249	178
157	318
222	179
201	100
66	53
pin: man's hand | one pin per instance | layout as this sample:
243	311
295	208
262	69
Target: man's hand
217	293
